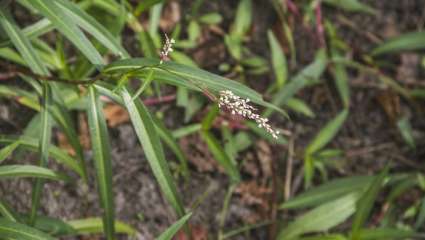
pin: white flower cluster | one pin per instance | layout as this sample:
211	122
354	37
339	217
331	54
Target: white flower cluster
240	106
166	49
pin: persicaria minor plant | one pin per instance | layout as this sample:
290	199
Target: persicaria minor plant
61	87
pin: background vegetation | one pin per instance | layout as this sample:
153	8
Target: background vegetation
104	137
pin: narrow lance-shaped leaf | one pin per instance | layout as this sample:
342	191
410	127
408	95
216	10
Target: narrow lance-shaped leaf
102	159
145	130
31	144
18	171
327	133
95	225
9	229
408	41
67	27
278	60
21	43
322	218
7	212
365	204
173	229
44	142
8	150
93	27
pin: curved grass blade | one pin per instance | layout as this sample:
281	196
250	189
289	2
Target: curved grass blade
93	27
173	229
19	231
327	133
21	43
35	30
7	212
51	226
95	225
44	142
365	204
386	233
145	130
278	60
102	159
328	192
31	144
321	218
67	27
195	78
408	41
18	171
351	5
8	150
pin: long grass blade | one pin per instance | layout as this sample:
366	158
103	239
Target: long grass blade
18	171
173	229
44	142
145	130
9	229
102	159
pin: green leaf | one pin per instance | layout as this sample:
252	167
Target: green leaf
43	145
65	24
327	133
365	204
193	30
19	231
385	234
278	60
93	27
211	18
18	171
51	226
21	43
328	192
341	81
220	155
351	5
32	31
173	229
308	75
194	78
408	41
7	212
300	106
146	132
405	129
95	225
243	18
8	150
32	145
102	159
321	218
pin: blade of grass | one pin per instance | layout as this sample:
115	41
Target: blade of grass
21	43
93	27
19	231
31	144
173	229
44	142
321	218
95	225
145	130
408	41
8	150
278	60
18	171
7	212
102	159
67	27
365	204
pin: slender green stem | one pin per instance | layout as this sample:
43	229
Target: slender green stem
223	213
145	84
